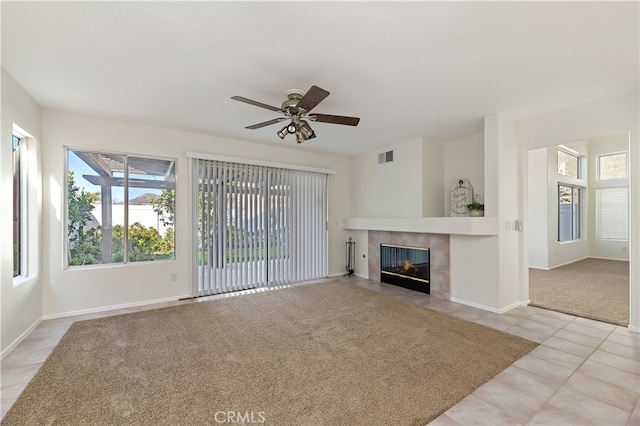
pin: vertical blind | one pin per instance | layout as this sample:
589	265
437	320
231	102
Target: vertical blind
258	226
612	214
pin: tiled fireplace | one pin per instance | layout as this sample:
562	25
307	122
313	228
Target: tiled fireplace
438	245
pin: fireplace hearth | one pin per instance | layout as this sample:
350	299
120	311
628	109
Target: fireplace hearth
405	266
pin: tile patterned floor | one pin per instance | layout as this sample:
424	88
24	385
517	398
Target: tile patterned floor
583	373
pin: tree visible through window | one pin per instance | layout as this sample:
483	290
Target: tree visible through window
612	166
567	164
120	208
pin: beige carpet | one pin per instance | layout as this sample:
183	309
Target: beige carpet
591	288
318	354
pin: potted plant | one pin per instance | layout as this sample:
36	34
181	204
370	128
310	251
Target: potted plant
476	209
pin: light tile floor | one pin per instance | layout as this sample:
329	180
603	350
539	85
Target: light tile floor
583	373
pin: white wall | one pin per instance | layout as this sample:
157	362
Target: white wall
20	306
79	290
463	159
393	189
538	224
502	161
616	250
473	274
433	168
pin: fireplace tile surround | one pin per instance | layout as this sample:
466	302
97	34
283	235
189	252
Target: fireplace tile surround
439	259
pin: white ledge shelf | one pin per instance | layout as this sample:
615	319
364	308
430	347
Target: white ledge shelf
427	225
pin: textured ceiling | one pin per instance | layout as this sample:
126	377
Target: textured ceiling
414	69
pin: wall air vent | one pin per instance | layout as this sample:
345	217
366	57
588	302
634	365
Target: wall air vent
385	157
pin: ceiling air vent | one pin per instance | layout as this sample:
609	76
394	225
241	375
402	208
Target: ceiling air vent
385	157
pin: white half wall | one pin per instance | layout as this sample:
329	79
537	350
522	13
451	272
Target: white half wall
474	275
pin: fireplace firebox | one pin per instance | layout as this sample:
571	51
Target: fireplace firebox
405	266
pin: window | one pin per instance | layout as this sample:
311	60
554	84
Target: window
20	198
568	164
612	166
258	226
612	197
568	213
120	208
612	214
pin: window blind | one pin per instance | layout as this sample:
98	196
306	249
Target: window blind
258	226
612	214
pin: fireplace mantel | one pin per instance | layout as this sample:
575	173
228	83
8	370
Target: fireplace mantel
430	225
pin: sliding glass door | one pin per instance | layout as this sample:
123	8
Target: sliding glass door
257	226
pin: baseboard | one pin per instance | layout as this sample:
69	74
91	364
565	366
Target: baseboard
336	275
112	307
540	268
634	329
568	263
489	308
608	258
20	339
576	260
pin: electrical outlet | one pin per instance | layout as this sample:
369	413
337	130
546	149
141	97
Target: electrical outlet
513	225
174	277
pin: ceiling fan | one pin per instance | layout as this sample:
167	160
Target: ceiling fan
297	108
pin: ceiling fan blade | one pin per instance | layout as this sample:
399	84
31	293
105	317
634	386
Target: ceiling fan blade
255	103
335	119
313	97
266	123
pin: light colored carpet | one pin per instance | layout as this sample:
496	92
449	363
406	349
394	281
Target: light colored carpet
317	354
591	288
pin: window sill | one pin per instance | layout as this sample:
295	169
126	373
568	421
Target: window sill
115	265
20	280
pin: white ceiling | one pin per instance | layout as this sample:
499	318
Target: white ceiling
408	69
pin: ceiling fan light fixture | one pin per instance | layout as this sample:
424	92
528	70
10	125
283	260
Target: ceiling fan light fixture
283	132
306	130
298	106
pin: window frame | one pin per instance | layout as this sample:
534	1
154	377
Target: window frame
30	202
126	188
23	201
571	153
613	181
575	215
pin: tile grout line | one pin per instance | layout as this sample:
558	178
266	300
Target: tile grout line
577	368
